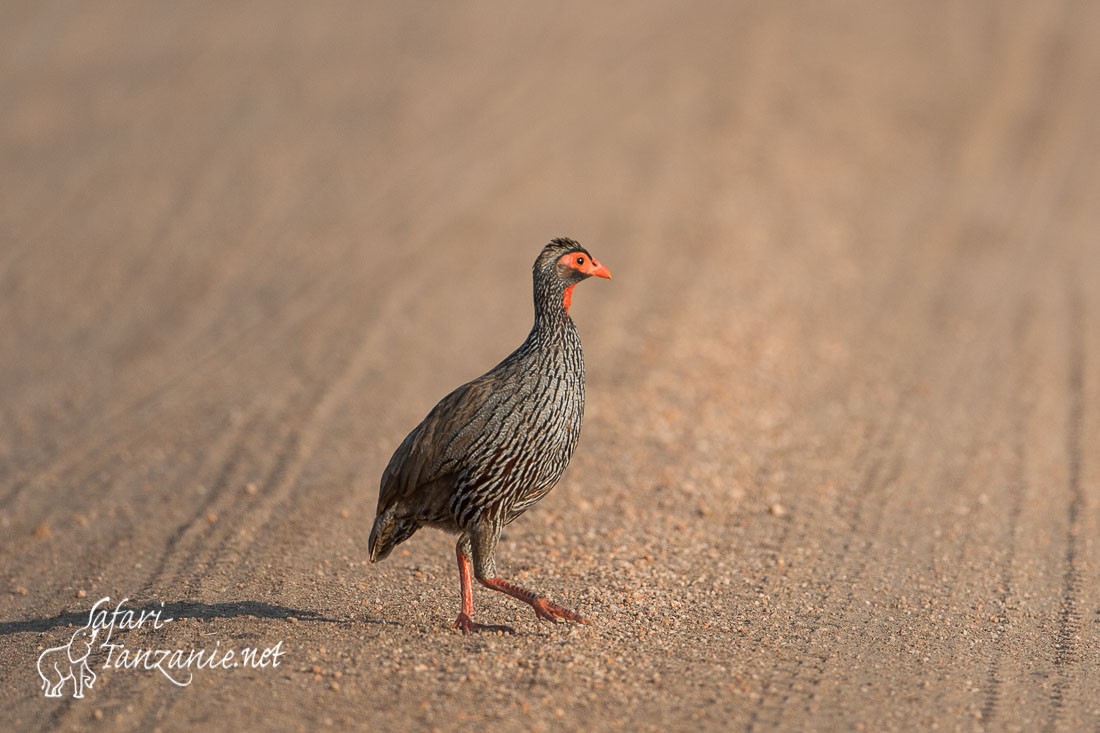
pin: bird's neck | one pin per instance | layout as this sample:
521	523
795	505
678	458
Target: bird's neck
553	327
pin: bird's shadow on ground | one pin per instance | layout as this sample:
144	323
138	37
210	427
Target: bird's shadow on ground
184	609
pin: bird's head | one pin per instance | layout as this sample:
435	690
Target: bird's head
562	264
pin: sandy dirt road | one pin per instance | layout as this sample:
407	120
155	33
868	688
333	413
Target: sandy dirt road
841	460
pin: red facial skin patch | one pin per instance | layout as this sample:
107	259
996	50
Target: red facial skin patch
584	264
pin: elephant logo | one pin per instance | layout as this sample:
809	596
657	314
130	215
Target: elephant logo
60	664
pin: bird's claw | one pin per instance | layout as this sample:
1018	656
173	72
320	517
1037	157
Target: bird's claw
552	612
468	626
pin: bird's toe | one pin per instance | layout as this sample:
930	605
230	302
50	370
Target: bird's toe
551	611
467	625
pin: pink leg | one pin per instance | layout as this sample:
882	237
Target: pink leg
543	608
464	620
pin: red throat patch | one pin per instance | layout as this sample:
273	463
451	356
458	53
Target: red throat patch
567	299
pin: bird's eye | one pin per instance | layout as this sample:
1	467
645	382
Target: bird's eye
580	260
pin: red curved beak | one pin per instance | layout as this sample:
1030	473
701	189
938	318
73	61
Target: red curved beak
595	268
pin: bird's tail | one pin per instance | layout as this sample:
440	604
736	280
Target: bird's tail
388	532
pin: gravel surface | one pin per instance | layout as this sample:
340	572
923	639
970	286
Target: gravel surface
839	468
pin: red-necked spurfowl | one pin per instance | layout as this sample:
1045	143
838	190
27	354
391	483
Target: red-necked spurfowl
496	445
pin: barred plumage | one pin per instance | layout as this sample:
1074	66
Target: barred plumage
496	445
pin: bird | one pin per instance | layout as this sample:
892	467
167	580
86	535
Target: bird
495	446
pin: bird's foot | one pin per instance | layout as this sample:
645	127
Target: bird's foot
551	611
544	609
468	626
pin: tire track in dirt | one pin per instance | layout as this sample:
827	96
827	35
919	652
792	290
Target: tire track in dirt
146	412
971	480
249	522
191	553
120	426
784	683
1067	637
219	463
939	306
91	451
195	555
1019	414
864	509
184	476
219	553
105	309
878	463
876	466
193	530
208	557
95	467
